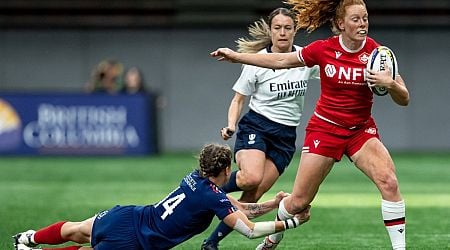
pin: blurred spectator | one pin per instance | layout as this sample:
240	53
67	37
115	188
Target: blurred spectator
133	82
106	77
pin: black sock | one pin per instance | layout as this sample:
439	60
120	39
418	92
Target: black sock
221	231
231	185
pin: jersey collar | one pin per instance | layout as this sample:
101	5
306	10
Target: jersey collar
269	48
341	42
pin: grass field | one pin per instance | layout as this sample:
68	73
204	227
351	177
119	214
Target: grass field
346	214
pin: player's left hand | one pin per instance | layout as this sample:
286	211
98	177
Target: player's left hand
380	78
304	215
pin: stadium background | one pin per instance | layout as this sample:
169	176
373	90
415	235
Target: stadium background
53	45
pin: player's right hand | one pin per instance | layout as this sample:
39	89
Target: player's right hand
226	133
224	54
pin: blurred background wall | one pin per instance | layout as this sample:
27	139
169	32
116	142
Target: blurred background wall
52	46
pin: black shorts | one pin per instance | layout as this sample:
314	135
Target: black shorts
276	140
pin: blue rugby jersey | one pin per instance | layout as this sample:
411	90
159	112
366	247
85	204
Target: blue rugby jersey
185	212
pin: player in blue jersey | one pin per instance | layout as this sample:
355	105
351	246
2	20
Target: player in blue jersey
185	212
265	140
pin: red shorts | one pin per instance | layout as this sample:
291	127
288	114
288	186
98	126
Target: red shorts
327	139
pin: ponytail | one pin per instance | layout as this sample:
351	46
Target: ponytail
260	38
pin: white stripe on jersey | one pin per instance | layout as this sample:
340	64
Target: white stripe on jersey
330	121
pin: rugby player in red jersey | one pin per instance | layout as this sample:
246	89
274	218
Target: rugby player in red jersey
342	123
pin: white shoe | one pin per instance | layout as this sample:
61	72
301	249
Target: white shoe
267	244
23	247
25	238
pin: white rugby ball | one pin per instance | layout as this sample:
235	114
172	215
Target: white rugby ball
380	58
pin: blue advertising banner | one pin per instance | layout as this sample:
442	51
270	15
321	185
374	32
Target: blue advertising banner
76	124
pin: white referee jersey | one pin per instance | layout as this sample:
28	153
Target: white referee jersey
276	94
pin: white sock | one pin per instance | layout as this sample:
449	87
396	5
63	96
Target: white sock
394	220
282	214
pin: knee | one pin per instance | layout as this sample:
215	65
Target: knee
247	181
388	184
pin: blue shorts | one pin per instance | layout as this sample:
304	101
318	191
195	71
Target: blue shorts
276	140
114	229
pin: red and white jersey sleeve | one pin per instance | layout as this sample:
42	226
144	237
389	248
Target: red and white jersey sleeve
345	98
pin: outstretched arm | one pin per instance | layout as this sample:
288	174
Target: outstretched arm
239	222
253	210
271	60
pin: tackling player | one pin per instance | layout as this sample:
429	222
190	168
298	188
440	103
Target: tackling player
185	212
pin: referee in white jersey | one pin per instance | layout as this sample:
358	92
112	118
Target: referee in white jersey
265	140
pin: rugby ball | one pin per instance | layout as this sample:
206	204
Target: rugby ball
381	58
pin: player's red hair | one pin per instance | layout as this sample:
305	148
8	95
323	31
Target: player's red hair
311	14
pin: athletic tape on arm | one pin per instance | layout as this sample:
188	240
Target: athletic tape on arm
261	229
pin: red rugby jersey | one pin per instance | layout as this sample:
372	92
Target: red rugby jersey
345	98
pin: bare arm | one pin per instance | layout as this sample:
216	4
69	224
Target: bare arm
271	60
234	112
398	91
253	210
396	88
